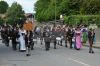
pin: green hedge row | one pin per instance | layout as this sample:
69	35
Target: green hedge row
85	19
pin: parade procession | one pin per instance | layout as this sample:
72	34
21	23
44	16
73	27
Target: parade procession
25	37
49	32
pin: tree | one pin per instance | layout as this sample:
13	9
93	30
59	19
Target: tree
90	7
41	7
1	21
45	9
3	7
14	13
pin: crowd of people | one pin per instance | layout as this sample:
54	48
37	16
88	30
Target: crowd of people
68	35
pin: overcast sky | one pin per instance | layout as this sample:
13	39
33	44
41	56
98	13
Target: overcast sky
27	5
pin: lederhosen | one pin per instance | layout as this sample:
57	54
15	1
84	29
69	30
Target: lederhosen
29	40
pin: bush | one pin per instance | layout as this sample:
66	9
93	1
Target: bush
85	19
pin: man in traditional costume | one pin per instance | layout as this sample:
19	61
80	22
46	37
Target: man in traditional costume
6	35
58	36
66	36
29	42
90	37
70	35
54	36
47	40
14	36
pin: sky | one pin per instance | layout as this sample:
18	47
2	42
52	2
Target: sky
27	5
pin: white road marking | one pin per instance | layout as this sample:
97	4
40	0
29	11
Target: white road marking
79	62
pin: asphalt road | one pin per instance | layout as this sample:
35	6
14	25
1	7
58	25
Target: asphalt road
55	57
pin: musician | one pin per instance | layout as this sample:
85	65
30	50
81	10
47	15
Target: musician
29	42
47	40
70	35
54	36
13	38
6	35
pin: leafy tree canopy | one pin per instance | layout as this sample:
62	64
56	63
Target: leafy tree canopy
3	7
45	9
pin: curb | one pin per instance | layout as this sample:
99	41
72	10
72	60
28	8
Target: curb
93	46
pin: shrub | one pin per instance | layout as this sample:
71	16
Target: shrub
85	19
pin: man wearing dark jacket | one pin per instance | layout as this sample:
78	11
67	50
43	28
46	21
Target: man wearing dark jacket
14	36
47	40
90	37
70	35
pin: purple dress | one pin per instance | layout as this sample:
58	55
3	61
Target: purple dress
78	39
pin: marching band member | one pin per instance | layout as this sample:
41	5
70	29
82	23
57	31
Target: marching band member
14	35
28	42
47	40
70	35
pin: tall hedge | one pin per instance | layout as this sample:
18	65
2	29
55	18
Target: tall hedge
86	19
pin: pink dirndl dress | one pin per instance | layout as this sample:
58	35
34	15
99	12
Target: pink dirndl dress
78	39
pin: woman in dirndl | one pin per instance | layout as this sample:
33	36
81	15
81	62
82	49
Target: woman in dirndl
84	35
78	34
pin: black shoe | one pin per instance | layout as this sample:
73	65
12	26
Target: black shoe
47	49
27	54
71	47
55	48
32	48
7	45
92	52
22	50
61	45
14	49
41	44
77	49
65	45
89	51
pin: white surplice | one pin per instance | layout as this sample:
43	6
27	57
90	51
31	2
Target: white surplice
22	40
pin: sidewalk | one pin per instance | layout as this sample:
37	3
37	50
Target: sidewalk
96	45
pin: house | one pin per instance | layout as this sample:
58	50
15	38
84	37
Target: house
30	16
2	15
